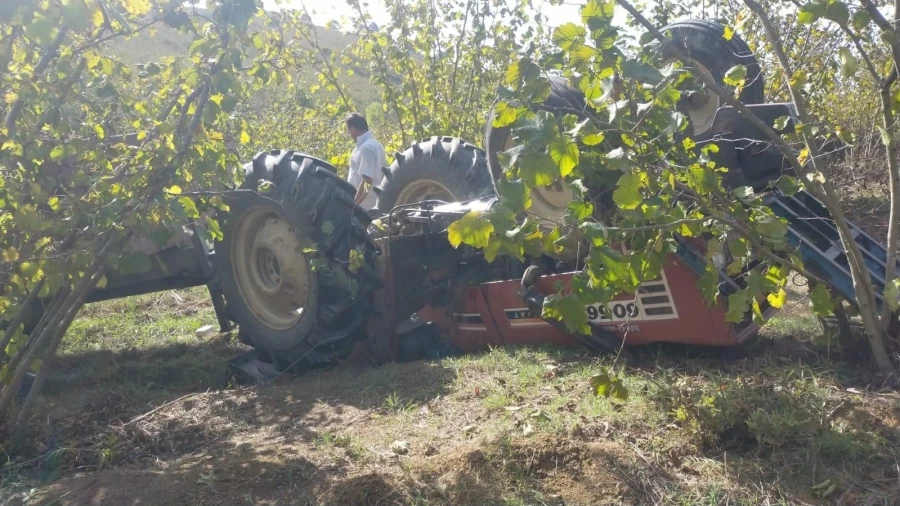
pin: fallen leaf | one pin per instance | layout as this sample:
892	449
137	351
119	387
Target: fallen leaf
208	479
469	429
514	408
528	430
400	447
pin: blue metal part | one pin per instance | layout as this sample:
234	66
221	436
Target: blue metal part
813	232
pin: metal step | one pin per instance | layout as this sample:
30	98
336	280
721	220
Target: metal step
812	231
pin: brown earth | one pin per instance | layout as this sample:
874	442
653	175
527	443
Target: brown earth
270	447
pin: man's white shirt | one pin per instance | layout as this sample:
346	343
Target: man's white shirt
367	159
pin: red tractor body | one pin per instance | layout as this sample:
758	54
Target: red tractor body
477	315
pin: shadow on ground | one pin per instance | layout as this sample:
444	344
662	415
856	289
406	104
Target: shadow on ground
164	426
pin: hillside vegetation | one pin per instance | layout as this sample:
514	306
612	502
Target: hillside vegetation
168	42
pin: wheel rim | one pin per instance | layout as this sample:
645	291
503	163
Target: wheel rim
271	271
425	189
703	106
555	196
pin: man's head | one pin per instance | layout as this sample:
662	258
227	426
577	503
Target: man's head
356	125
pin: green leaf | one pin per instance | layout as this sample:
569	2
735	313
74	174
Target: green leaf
538	170
189	207
472	229
606	385
837	11
569	310
564	153
892	295
849	64
641	72
98	129
743	193
504	115
14	147
328	227
777	299
137	7
735	75
174	190
357	260
550	239
738	304
799	78
709	284
601	384
214	230
788	185
811	12
728	33
57	153
582	53
860	19
702	178
598	9
568	35
758	316
821	301
628	193
245	137
514	195
595	232
580	211
771	226
10	254
592	139
781	122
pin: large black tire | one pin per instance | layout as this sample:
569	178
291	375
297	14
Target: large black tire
703	42
440	168
290	246
700	40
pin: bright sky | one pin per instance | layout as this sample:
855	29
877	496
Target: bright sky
321	12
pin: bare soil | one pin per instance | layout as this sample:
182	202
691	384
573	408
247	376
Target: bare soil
270	446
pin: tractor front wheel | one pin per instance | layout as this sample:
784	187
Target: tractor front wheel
296	264
445	169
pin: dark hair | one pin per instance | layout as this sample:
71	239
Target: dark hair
358	121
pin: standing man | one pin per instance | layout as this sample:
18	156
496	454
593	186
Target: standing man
366	160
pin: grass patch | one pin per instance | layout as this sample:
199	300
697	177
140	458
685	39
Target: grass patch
509	426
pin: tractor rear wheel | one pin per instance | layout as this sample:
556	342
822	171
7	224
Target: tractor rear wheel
296	264
710	54
441	168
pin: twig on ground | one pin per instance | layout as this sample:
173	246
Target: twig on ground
145	415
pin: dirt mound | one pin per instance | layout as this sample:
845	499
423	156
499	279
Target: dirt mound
123	487
564	471
370	489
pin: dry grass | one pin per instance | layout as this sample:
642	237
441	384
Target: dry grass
767	425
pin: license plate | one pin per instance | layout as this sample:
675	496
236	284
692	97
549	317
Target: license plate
613	312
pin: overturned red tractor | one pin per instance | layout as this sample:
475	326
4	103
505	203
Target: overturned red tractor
308	279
